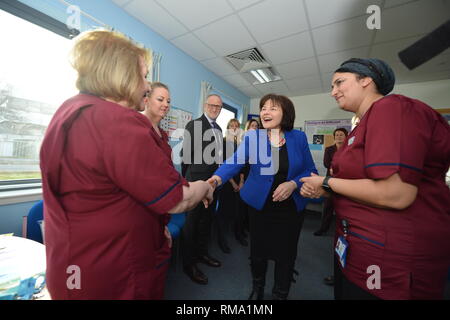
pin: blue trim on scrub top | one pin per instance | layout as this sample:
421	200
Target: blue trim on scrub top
365	238
164	194
392	164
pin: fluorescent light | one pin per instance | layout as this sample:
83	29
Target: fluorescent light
263	75
257	76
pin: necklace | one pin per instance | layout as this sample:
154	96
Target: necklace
278	137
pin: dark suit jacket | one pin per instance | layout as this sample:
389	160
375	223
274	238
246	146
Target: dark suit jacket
328	157
197	138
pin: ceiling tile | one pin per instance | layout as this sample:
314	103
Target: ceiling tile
341	36
264	30
196	13
278	87
330	62
289	49
437	64
297	69
219	66
419	17
250	91
239	4
193	47
311	82
236	80
394	3
151	14
306	92
226	36
389	51
323	12
421	77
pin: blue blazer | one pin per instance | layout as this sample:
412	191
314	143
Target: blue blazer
255	150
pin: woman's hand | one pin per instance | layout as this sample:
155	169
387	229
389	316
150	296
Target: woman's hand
234	185
241	181
284	191
215	181
312	186
168	236
209	195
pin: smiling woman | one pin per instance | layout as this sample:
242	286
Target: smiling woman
275	205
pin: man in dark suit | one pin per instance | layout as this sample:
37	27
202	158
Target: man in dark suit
201	156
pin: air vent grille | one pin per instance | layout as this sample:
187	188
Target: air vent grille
247	60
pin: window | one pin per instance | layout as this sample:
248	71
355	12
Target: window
35	78
227	113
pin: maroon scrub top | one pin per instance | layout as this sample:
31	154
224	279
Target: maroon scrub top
108	182
411	246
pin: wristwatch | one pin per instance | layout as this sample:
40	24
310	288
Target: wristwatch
326	186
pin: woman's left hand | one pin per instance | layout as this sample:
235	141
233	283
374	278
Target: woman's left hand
312	186
284	191
168	236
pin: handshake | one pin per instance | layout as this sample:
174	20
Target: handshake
312	187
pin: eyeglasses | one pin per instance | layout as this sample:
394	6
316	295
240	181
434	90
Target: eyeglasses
217	106
147	94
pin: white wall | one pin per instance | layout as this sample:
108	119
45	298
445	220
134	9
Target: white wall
323	107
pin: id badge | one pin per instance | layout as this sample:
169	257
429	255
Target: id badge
341	250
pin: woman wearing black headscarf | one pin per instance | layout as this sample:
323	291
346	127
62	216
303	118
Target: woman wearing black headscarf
390	197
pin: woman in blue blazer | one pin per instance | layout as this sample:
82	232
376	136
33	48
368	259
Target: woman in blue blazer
279	157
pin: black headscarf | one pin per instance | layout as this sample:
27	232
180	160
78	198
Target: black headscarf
378	70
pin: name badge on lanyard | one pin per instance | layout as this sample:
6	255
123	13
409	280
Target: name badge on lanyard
342	245
341	250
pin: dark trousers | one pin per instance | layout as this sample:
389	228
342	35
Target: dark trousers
346	290
196	233
229	213
282	276
327	215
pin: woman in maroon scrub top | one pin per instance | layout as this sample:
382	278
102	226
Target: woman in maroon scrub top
391	200
108	180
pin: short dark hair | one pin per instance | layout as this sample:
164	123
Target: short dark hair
287	122
340	129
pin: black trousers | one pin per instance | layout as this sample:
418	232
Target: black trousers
346	290
229	214
327	215
196	233
283	274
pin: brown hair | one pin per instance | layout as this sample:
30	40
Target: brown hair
108	65
249	122
287	122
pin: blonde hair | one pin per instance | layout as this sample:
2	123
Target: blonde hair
154	85
233	137
108	65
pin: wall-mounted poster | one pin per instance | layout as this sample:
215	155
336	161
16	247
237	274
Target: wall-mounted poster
445	113
176	119
320	136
